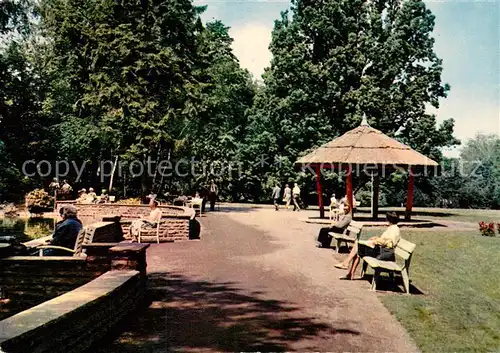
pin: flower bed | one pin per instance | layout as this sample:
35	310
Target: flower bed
488	229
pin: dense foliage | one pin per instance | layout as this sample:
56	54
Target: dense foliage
143	81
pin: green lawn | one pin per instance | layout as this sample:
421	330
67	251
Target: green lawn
459	272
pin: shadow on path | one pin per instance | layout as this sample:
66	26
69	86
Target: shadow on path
187	315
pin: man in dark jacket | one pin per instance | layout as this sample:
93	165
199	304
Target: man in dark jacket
323	240
66	232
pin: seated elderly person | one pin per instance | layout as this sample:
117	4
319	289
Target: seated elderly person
82	196
91	196
103	198
65	233
381	248
147	222
323	240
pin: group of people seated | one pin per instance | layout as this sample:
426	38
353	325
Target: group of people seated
380	247
339	204
183	200
91	196
66	230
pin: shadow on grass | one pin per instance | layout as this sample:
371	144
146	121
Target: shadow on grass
187	315
388	286
426	213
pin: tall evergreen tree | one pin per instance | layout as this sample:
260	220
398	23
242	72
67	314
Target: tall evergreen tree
123	74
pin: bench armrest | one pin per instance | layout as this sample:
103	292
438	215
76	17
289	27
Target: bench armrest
53	247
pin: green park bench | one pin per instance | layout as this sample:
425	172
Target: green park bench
349	236
99	231
403	252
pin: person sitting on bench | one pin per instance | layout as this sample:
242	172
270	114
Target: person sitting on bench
149	222
65	233
381	248
323	240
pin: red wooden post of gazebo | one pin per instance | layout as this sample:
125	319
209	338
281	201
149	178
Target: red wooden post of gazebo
320	193
409	198
348	186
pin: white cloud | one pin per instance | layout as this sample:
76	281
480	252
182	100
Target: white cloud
250	46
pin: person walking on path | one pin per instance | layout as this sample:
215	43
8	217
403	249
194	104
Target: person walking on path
276	196
287	196
212	196
324	239
296	197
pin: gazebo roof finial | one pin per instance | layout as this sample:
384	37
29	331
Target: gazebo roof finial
364	122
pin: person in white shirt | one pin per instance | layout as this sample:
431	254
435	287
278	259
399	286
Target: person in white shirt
296	197
381	247
148	222
287	196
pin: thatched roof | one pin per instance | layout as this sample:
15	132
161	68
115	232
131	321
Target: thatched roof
366	145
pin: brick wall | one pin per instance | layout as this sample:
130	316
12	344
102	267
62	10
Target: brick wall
175	225
30	280
76	321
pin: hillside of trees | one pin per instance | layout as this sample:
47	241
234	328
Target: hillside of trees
87	81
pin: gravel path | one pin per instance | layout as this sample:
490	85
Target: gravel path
255	282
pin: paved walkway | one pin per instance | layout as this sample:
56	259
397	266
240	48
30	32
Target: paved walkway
255	282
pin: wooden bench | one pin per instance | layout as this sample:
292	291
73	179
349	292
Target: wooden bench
349	236
403	252
99	231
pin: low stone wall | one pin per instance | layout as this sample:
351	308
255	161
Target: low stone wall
76	321
27	281
31	280
176	221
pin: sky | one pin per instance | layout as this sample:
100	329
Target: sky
467	35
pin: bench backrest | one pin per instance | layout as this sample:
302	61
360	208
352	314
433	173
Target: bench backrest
405	249
354	229
84	237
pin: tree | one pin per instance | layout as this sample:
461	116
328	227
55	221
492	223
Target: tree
481	169
335	60
228	91
123	81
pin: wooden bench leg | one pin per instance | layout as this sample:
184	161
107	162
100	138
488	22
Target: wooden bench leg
376	274
363	268
338	246
406	280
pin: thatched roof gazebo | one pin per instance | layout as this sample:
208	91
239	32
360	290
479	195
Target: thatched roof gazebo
367	148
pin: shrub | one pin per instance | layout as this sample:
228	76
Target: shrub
38	200
10	210
487	229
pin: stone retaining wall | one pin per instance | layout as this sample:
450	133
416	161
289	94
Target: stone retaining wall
30	280
176	221
76	321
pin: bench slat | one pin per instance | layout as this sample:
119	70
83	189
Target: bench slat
401	253
352	230
406	245
343	237
388	265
